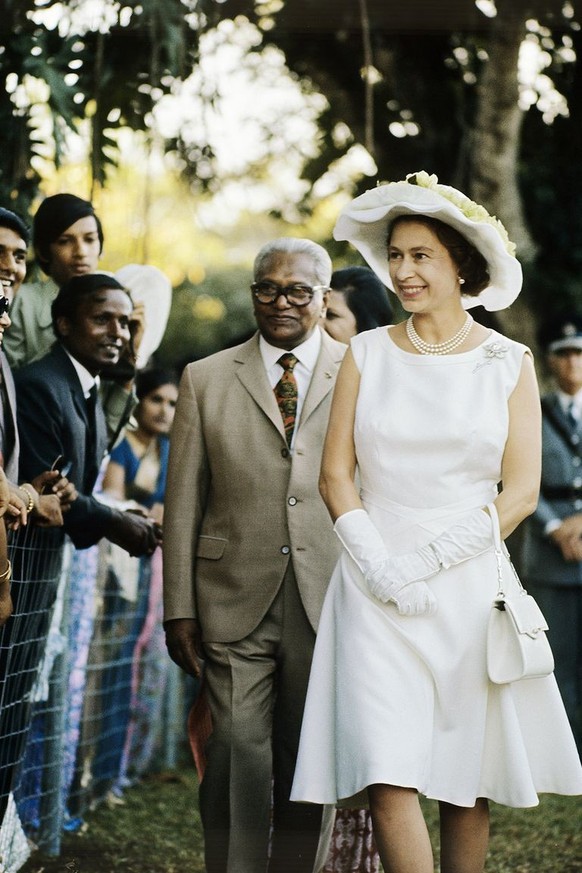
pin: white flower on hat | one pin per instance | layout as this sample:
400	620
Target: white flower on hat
423	178
468	207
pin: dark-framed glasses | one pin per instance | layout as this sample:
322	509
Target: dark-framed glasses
5	303
297	295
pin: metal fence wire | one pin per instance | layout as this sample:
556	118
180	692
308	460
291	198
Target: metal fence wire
89	700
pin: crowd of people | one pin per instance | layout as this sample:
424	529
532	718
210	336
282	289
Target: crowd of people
68	391
327	502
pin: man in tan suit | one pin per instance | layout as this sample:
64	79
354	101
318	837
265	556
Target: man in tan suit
248	554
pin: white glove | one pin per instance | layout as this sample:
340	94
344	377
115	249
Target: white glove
400	578
360	536
469	537
361	539
416	598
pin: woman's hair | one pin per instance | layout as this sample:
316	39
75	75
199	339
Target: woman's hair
153	378
291	245
469	261
365	295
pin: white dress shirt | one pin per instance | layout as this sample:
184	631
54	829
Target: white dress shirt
86	379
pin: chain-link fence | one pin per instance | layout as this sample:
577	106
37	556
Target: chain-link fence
89	700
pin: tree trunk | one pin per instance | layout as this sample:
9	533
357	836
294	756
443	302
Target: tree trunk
494	152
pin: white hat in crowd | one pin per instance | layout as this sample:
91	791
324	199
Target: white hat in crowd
149	286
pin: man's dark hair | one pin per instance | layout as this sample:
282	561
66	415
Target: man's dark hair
54	215
76	290
14	222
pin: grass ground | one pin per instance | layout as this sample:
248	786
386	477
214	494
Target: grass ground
157	830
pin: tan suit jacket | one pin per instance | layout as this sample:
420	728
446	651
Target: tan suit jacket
238	505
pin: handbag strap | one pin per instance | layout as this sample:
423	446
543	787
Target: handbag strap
492	510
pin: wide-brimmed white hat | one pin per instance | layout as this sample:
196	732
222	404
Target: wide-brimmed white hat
149	286
364	223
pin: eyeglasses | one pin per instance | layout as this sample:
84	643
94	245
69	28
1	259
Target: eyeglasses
4	305
297	295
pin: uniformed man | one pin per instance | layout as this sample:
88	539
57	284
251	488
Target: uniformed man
552	562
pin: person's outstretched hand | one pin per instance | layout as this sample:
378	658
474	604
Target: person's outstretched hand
134	533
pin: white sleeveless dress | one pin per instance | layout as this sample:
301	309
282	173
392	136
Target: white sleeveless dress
406	700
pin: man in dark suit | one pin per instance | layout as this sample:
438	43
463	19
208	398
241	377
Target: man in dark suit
61	421
552	557
60	415
249	554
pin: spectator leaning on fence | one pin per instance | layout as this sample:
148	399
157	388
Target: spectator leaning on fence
91	322
22	637
24	499
136	688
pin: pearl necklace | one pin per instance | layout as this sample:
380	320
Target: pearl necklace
438	348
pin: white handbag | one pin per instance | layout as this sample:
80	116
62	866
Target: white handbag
517	645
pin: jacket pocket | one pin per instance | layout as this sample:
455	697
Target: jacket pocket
210	547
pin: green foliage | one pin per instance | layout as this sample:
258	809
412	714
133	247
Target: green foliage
111	75
207	317
35	99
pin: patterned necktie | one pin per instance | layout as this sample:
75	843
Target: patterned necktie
286	394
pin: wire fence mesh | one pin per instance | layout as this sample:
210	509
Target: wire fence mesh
89	700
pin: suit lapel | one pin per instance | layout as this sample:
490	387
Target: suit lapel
556	418
99	444
251	373
101	440
323	378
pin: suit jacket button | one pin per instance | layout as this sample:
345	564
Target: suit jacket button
284	453
292	501
285	550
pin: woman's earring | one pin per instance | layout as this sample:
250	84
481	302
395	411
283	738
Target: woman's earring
461	280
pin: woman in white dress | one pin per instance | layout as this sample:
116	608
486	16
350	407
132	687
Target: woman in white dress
435	412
